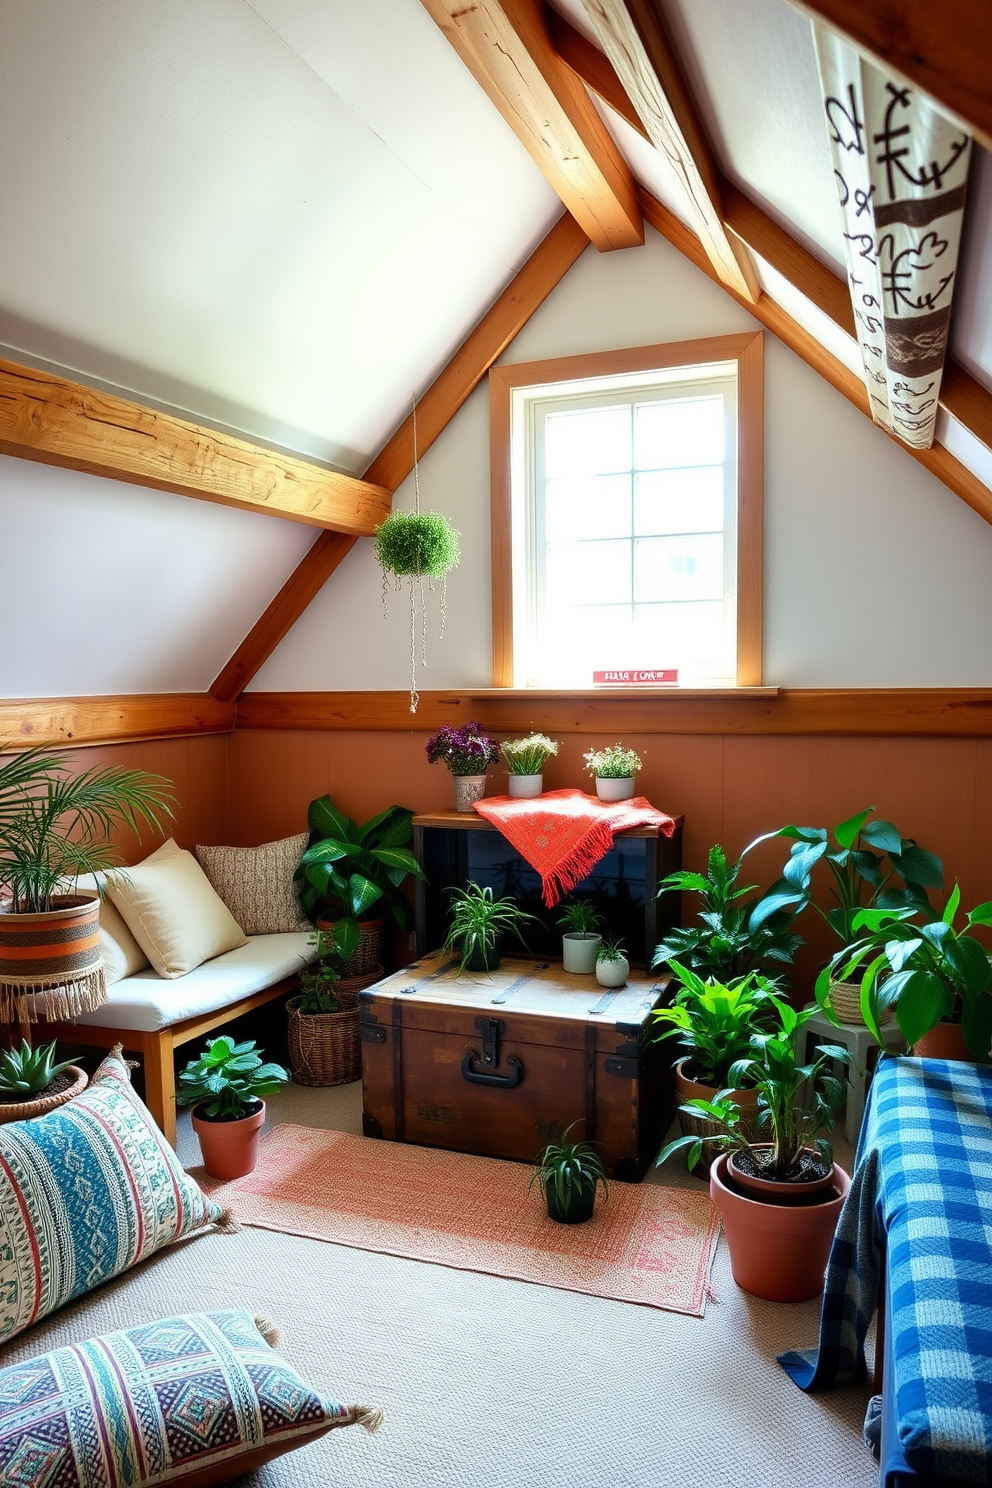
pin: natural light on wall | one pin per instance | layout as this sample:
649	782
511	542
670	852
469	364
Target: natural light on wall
624	503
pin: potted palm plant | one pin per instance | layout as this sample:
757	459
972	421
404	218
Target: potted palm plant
614	769
55	825
322	1026
778	1189
937	977
225	1087
466	751
569	1174
31	1083
525	760
350	875
581	940
479	922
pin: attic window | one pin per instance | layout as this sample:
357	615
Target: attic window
627	515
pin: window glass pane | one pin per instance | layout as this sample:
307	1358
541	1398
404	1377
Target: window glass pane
679	501
578	641
680	431
678	568
690	636
588	573
599	507
592	441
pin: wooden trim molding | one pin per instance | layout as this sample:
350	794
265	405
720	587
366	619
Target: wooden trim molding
944	49
954	712
78	721
506	46
57	422
526	292
746	350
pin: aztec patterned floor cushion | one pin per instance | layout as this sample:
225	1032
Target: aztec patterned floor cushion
85	1192
196	1400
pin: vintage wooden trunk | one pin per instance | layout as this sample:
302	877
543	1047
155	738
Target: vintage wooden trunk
500	1064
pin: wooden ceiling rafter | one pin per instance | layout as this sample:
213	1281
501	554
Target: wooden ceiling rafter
961	394
54	421
506	46
635	41
546	267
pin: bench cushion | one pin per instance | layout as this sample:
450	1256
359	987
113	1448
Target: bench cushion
147	1002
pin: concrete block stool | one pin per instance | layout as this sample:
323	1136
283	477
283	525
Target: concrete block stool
864	1052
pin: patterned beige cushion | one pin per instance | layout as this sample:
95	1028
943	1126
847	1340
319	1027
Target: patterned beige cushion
256	884
172	911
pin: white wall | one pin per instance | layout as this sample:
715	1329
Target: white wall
876	575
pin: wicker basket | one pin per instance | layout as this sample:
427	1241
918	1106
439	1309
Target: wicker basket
366	959
324	1048
40	1105
845	999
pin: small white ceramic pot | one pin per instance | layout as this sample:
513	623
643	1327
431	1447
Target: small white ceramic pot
468	790
525	787
579	952
613	973
613	789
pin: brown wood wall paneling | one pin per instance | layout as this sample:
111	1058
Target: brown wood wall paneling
76	721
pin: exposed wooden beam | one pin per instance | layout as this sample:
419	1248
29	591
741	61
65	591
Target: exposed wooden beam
634	39
77	721
506	46
961	395
57	422
961	712
546	267
944	49
938	460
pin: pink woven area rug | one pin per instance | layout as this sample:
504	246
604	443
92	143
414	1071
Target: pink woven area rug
644	1244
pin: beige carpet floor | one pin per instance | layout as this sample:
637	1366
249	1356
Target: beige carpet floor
489	1383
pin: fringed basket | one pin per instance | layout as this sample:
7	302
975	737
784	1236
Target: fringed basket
40	1105
325	1048
50	963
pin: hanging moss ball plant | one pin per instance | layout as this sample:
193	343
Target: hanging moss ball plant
414	548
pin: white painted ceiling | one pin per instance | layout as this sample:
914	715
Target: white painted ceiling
282	216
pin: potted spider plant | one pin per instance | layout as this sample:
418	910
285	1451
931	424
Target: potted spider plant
322	1022
225	1086
55	825
32	1084
778	1189
569	1174
581	939
479	923
525	760
614	769
612	966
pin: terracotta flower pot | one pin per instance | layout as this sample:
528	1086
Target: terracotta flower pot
229	1148
698	1126
777	1251
776	1190
944	1041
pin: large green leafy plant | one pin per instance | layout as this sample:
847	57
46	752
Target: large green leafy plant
734	934
55	823
929	972
715	1022
349	870
228	1079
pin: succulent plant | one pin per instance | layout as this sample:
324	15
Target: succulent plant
27	1071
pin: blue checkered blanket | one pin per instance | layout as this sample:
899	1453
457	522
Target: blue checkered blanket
922	1188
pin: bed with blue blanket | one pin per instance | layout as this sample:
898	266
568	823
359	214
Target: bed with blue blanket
918	1222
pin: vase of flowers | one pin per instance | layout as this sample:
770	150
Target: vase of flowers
466	751
614	768
525	760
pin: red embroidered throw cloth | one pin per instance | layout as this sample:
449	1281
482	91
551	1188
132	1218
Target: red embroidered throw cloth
564	834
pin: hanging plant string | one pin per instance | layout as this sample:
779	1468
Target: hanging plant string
414	547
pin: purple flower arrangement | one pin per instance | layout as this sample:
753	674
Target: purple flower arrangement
465	751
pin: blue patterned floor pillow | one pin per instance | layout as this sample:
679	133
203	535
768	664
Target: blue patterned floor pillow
85	1192
196	1400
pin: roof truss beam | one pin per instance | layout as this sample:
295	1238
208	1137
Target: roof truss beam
57	422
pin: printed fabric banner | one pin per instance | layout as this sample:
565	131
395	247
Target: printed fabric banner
901	165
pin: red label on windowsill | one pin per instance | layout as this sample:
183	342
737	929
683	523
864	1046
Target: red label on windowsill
664	678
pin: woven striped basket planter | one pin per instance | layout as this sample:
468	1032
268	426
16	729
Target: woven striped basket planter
366	958
40	1105
50	962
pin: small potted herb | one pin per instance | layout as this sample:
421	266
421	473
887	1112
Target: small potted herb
225	1088
581	939
31	1083
525	760
323	1031
614	768
612	966
466	751
478	924
569	1174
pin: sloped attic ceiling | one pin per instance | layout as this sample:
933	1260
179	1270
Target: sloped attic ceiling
282	217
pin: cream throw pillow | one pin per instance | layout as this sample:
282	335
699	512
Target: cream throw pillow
173	913
256	884
122	955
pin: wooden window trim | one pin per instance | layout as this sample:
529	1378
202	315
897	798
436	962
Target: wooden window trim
746	350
